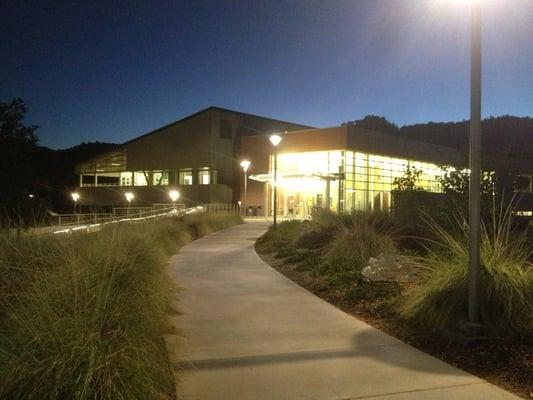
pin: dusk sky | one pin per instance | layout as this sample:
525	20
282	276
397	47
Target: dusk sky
109	72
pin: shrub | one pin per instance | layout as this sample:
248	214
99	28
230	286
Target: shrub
83	317
366	236
280	239
314	237
440	300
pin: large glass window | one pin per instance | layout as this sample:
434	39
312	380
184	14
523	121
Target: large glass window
204	176
185	177
353	180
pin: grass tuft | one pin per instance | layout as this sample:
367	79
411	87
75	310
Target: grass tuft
440	300
84	316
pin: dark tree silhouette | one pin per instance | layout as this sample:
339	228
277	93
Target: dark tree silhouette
375	123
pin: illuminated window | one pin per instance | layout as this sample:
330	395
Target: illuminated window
140	179
185	177
160	178
204	176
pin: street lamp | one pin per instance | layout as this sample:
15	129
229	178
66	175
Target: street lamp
275	140
174	196
474	219
129	197
245	164
75	197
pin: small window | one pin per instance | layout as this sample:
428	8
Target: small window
160	178
204	176
185	177
140	179
225	129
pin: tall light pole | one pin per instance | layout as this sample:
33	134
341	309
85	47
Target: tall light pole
75	197
275	140
129	197
474	218
245	164
174	196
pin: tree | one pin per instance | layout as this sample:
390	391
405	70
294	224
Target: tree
12	127
455	181
375	123
408	182
17	162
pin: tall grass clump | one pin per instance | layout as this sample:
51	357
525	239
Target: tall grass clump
440	300
362	236
280	239
83	317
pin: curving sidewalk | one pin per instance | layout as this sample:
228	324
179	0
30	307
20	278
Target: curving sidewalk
247	332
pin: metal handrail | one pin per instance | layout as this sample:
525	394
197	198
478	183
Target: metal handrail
143	214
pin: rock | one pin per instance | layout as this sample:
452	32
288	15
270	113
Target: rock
390	268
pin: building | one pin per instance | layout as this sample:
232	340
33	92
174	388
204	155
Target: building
343	168
195	155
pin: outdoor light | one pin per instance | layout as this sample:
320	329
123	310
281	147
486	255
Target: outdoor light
245	164
129	196
275	140
174	195
31	196
75	197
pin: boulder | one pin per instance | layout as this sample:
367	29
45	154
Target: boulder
390	268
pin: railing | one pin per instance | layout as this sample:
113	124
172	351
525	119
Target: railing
132	212
93	222
222	208
159	206
71	219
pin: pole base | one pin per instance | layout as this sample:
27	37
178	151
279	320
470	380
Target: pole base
469	334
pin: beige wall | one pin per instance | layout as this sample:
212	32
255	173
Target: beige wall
182	145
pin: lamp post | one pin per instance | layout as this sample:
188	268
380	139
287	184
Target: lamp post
174	196
275	140
245	164
474	219
129	197
75	197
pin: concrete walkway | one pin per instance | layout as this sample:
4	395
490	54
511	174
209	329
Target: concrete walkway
250	333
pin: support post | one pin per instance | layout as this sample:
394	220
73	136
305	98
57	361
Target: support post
275	186
475	168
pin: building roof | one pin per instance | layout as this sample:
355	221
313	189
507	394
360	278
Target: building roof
205	110
210	108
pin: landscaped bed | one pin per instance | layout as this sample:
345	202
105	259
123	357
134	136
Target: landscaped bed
83	316
328	255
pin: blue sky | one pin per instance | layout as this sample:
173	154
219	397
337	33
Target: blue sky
98	71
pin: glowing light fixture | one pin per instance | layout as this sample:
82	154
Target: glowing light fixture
245	164
129	196
174	195
75	196
275	139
